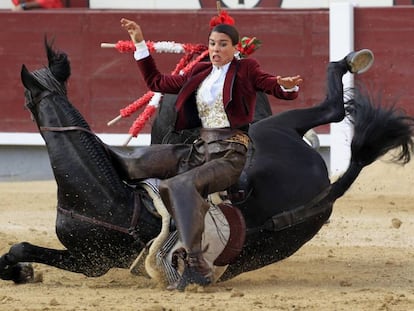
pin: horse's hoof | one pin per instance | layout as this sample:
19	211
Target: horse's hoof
359	61
173	286
23	273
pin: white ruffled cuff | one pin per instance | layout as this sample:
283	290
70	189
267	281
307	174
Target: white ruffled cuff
141	50
293	89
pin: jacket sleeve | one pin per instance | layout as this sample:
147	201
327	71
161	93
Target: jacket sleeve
158	82
266	82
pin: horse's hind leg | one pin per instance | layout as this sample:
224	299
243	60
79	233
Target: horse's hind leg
13	267
330	110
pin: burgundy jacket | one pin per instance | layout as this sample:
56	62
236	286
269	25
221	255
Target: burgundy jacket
244	77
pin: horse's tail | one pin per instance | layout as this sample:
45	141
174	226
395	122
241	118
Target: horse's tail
377	130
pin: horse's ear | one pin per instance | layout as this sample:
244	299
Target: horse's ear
50	53
29	81
58	62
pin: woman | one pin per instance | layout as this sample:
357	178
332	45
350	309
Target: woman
218	97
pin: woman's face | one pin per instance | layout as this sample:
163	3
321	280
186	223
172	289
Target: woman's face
220	48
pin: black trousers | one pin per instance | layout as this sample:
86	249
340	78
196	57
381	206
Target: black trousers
208	168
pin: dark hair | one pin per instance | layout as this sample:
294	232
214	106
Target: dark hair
229	30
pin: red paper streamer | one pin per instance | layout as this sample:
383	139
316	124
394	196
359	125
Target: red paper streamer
131	108
142	119
125	46
184	65
190	65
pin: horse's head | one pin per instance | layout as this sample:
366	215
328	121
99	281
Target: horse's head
50	79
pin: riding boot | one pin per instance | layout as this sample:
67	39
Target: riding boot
188	209
156	161
196	271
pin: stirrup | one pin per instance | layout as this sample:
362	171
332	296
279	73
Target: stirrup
359	61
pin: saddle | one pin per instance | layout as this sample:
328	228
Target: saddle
223	240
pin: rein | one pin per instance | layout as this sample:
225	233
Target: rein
47	93
66	128
72	128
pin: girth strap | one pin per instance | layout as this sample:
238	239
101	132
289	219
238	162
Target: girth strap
296	216
131	230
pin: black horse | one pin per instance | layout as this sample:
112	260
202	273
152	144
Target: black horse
105	220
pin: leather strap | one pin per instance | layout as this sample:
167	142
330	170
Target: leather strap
131	230
295	216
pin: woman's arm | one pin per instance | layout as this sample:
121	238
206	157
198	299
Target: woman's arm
155	80
278	86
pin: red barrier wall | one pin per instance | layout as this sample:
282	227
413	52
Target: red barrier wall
104	81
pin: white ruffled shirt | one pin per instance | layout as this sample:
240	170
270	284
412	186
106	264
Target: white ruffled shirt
212	86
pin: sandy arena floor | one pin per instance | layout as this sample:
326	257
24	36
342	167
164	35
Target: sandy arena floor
363	259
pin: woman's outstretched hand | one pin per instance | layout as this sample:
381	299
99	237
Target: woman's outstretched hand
133	29
289	82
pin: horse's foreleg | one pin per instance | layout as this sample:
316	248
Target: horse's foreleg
17	272
334	102
13	265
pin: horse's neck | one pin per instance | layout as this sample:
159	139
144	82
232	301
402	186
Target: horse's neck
79	160
59	112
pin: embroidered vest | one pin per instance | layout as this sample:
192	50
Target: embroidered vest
212	115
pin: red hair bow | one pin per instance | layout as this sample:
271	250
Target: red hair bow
222	18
